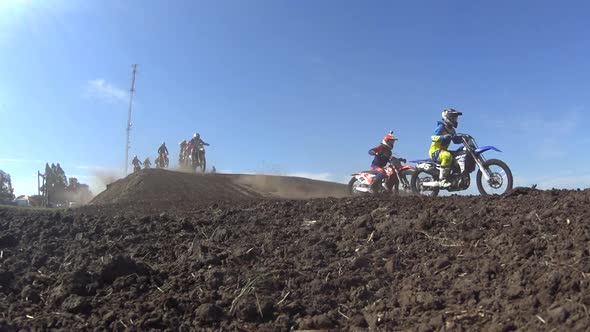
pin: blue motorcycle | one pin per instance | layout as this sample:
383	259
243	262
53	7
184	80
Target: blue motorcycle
493	175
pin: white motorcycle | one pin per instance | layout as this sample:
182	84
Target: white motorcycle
397	176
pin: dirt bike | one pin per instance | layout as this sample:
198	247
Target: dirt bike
198	159
397	177
182	158
162	161
136	168
493	175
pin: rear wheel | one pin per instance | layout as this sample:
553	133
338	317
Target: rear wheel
500	178
418	178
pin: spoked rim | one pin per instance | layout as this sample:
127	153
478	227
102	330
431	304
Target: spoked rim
424	177
354	187
498	182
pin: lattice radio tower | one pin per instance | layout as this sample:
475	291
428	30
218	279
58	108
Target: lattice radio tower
128	142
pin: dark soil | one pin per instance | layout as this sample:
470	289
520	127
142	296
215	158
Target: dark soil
516	262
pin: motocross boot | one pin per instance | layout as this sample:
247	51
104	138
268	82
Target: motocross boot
376	186
444	177
374	189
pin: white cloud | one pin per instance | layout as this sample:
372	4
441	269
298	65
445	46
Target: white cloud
92	168
322	176
101	90
16	160
315	176
24	185
325	176
79	177
565	182
552	124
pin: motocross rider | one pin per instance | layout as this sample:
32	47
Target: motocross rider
136	163
182	154
443	135
163	151
147	163
196	142
382	153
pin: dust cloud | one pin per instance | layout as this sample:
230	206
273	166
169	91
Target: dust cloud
100	179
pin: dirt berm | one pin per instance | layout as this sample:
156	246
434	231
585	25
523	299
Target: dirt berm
156	185
515	262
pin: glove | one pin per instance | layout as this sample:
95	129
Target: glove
403	160
457	140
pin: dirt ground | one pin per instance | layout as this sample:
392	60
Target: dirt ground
158	185
514	262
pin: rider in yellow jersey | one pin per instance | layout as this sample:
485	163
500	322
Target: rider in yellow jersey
443	135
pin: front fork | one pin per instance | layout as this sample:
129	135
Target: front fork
484	171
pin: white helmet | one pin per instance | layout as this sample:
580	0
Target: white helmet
451	117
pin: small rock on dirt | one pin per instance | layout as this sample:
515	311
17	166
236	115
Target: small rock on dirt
558	315
76	305
208	312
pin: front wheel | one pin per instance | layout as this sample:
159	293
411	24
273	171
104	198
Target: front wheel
418	179
500	180
352	185
406	181
392	186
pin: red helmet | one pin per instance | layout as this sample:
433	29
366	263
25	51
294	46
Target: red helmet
389	139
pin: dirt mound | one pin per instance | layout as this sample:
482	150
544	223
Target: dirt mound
156	185
515	262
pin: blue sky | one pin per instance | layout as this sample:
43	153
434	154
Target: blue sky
292	87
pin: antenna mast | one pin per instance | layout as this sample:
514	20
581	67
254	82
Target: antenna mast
128	143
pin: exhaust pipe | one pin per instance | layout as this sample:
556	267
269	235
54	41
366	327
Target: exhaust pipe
431	184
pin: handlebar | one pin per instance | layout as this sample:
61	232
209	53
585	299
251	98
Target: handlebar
463	136
398	159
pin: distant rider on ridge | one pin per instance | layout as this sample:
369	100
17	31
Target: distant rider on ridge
136	163
163	153
163	150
